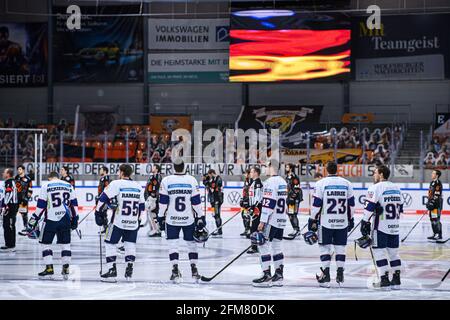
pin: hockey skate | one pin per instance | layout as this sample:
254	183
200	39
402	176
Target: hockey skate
395	282
217	233
385	284
121	249
277	279
110	275
264	281
340	276
7	249
294	234
252	250
154	234
24	232
195	275
176	274
47	273
324	279
65	272
129	271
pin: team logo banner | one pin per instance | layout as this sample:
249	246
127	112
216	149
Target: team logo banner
290	120
320	156
23	54
442	124
188	34
408	47
168	124
106	49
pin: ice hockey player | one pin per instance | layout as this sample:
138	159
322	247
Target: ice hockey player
255	194
151	196
295	197
57	204
216	199
244	204
24	188
66	176
384	203
180	204
124	223
332	218
10	208
270	229
434	205
102	184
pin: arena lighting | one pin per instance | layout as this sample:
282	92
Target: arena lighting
264	14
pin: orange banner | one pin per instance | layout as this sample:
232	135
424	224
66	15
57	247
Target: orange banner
358	118
169	123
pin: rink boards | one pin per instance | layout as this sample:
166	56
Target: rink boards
414	198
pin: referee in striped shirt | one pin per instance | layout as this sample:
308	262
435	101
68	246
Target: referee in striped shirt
9	210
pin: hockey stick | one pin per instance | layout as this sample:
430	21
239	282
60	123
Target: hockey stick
414	226
300	233
84	218
206	279
220	227
377	284
101	254
437	284
442	241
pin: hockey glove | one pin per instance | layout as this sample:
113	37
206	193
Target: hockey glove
161	222
351	224
365	228
33	222
100	218
74	222
312	225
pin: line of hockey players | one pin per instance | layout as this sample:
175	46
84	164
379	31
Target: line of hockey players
173	204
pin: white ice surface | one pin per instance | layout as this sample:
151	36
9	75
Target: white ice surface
423	262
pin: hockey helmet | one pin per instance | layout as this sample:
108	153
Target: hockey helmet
310	237
201	235
257	238
431	204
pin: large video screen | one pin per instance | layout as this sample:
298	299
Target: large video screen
286	45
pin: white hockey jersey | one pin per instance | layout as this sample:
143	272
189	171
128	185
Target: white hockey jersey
274	202
384	203
179	199
130	203
333	203
2	194
56	199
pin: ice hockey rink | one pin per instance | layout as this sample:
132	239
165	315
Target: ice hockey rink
423	263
